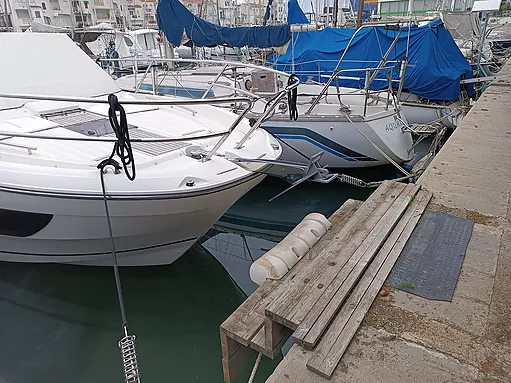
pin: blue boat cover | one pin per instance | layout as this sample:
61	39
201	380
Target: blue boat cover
174	18
435	63
295	14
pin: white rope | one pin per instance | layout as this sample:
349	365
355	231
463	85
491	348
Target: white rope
254	370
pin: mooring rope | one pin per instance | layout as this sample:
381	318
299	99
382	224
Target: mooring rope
254	370
123	149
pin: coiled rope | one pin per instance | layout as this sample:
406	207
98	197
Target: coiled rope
120	127
292	97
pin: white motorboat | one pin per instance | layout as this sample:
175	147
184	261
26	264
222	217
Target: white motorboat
51	201
128	49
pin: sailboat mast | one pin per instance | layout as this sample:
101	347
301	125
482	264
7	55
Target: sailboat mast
336	11
260	13
360	13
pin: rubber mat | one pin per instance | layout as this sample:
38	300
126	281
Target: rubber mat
430	264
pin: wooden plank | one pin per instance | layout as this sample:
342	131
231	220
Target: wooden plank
258	343
234	357
245	327
420	201
292	288
323	311
274	332
229	345
338	219
299	294
244	323
342	330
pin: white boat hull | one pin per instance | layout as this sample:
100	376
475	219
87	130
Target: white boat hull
343	145
147	232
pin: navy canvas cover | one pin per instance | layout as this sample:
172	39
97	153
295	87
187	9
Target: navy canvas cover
174	19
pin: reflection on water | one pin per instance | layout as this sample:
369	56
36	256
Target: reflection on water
254	225
61	323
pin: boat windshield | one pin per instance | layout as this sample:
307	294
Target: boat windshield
147	41
38	70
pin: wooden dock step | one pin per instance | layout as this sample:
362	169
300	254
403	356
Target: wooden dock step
337	338
242	334
322	300
309	305
289	292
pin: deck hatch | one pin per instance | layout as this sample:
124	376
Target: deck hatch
96	125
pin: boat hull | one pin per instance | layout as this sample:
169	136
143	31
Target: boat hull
343	145
147	231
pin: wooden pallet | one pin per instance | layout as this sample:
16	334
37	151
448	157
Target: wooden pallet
323	299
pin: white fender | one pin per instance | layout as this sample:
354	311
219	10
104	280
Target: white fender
280	259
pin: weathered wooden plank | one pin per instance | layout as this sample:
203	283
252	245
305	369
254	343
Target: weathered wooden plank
245	327
229	345
258	343
244	323
234	357
274	332
316	320
338	219
337	338
298	294
290	290
414	210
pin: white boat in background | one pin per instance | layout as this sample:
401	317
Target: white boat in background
51	201
132	49
195	83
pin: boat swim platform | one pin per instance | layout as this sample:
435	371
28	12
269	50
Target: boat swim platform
348	326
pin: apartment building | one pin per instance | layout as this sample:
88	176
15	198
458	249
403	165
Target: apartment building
120	14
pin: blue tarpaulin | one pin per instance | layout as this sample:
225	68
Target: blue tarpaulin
295	14
435	63
174	18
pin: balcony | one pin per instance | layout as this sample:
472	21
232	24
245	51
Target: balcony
24	22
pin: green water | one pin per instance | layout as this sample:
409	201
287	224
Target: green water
61	323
